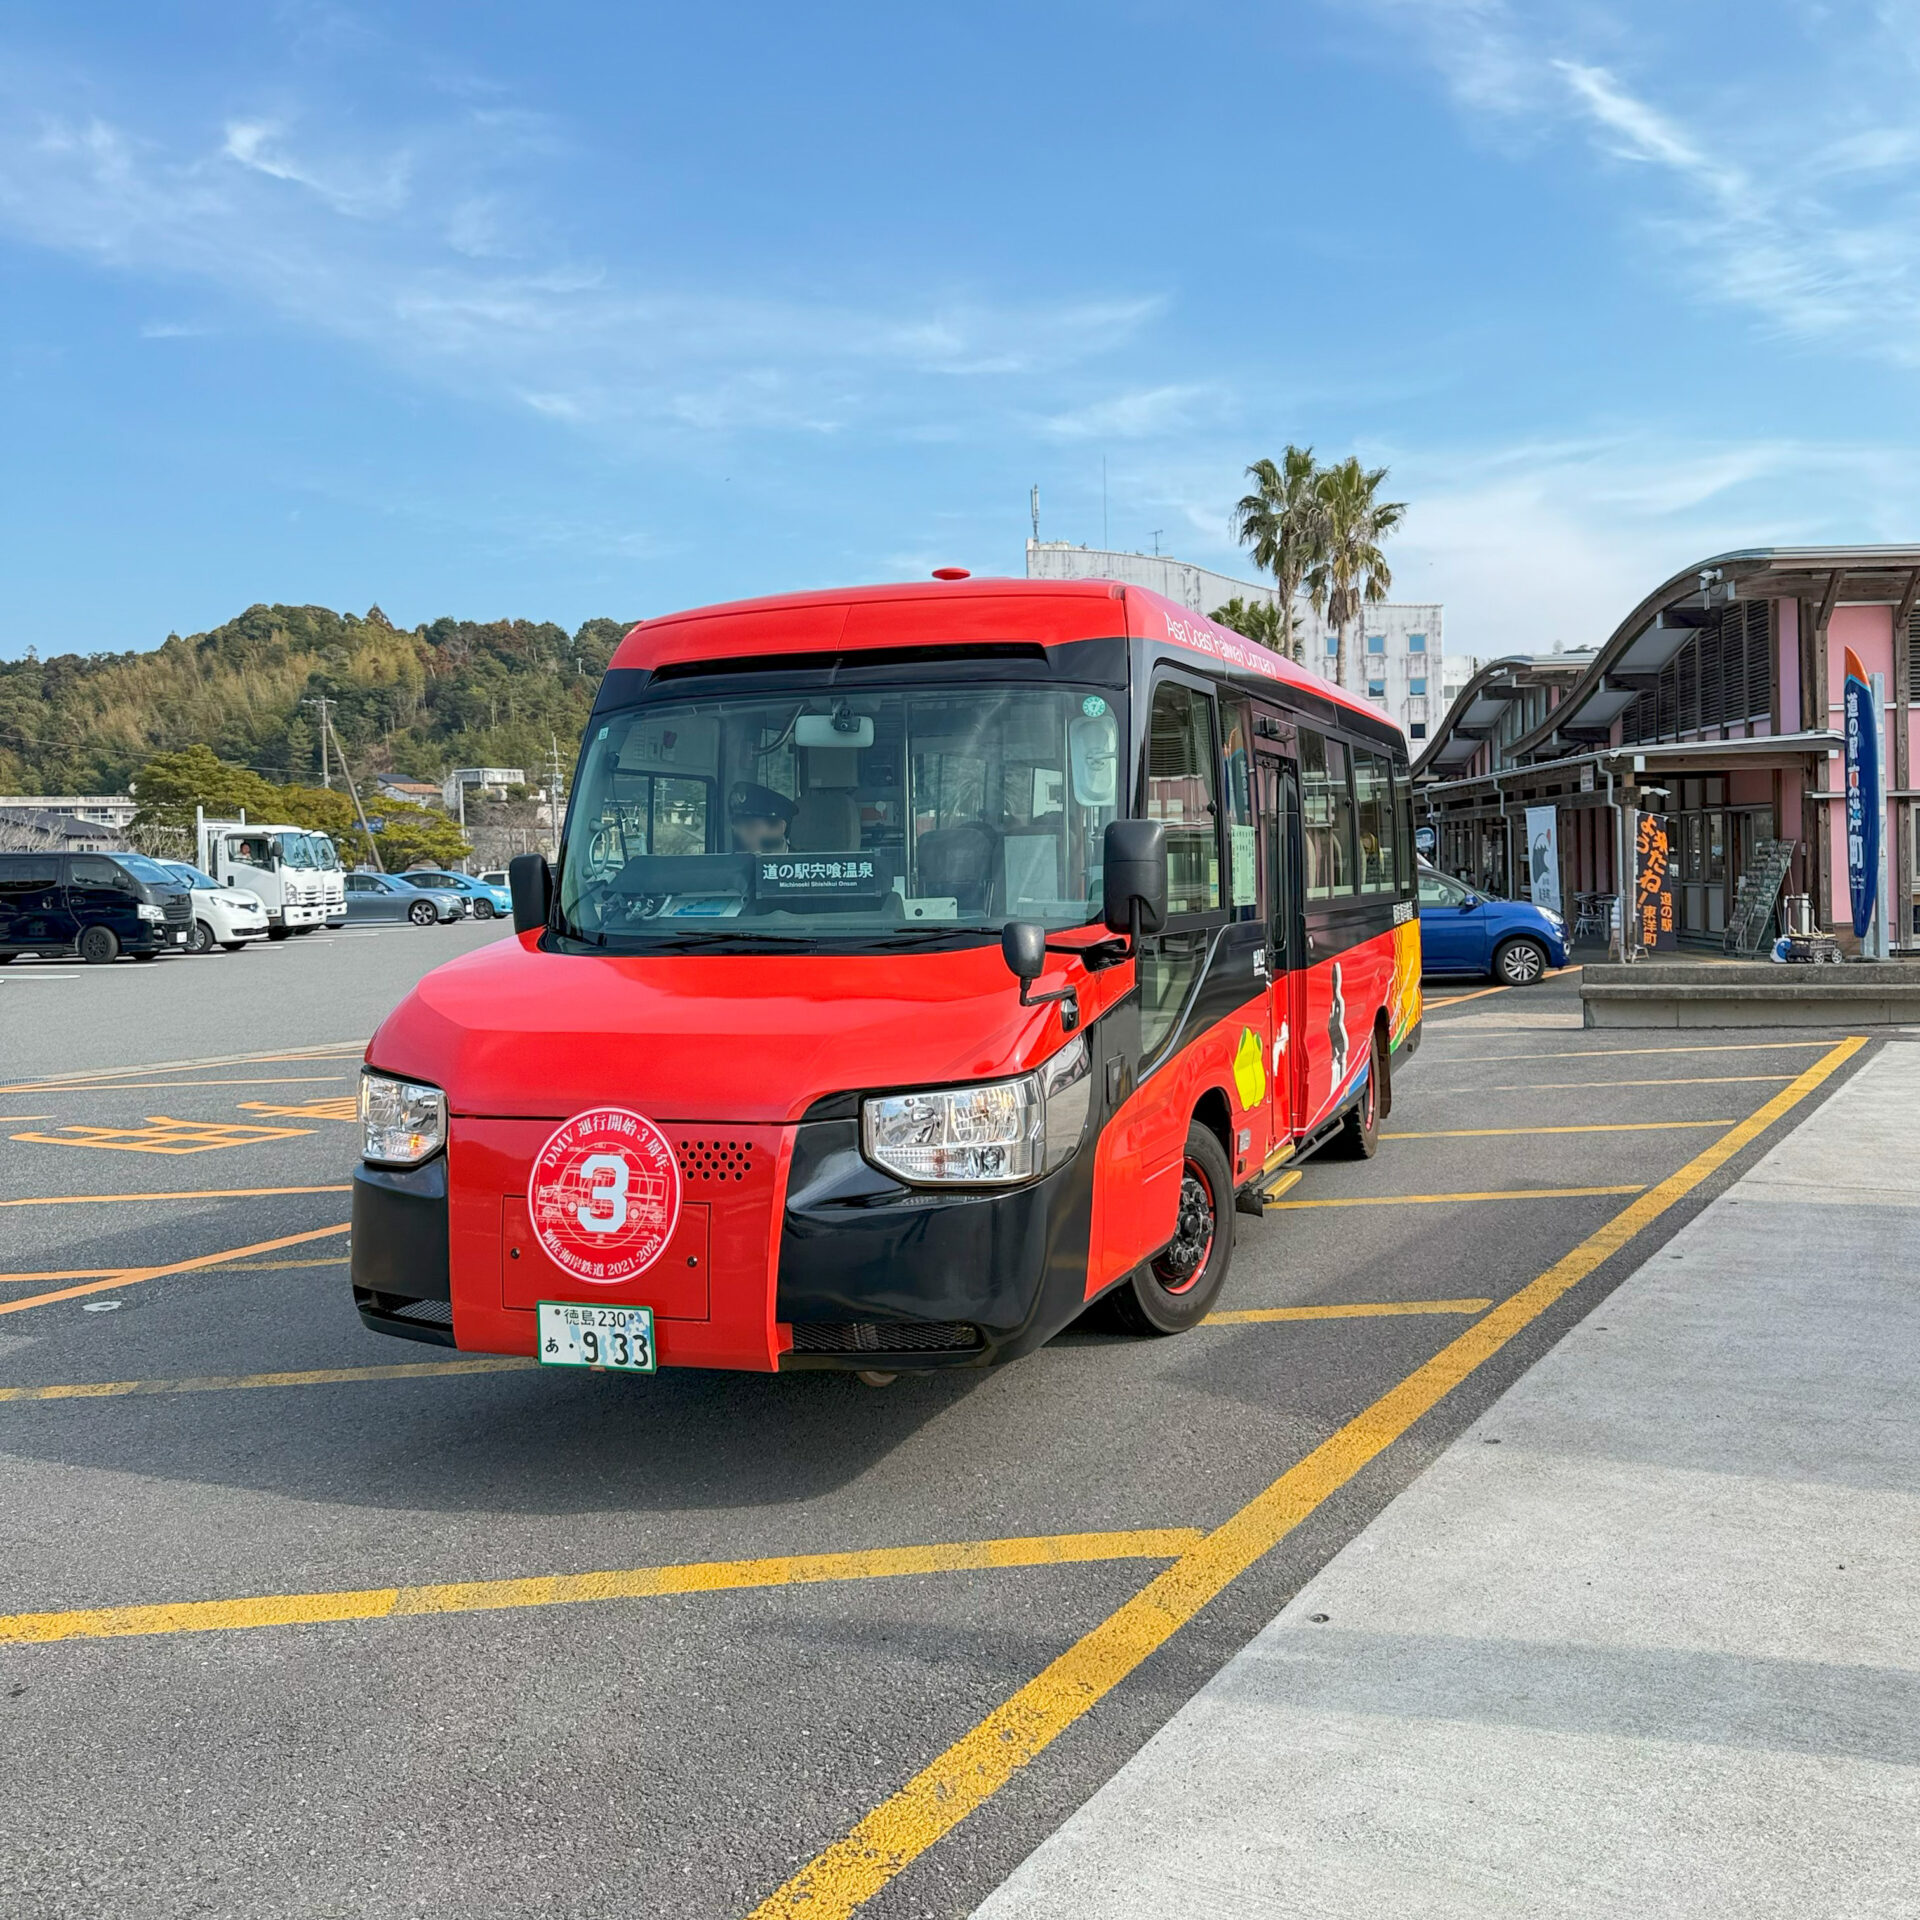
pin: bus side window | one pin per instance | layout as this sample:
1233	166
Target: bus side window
1181	788
1374	813
1326	810
1243	840
1403	838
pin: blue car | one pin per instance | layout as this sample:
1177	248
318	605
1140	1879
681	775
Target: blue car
1462	931
482	901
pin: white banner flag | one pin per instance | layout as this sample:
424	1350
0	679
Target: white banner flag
1543	856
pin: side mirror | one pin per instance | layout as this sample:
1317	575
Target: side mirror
1135	867
530	881
1023	945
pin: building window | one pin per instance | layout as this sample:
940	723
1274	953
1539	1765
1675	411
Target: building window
1376	643
1418	684
1333	646
1376	689
1416	643
1418	731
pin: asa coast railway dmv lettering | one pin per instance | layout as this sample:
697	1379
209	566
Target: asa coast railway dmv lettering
922	965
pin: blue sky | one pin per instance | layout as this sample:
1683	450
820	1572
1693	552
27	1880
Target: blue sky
562	310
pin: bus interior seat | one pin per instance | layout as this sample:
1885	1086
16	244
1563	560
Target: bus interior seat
962	862
827	820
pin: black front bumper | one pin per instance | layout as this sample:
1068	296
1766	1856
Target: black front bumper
875	1274
402	1274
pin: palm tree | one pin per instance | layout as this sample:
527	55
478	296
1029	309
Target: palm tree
1349	573
1281	522
1254	619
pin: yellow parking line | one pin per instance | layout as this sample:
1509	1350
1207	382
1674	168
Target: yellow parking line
1563	1086
132	1276
50	1083
1452	1199
1253	1316
1613	1126
70	1273
1459	999
238	1382
197	1193
137	1086
1608	1053
849	1872
571	1589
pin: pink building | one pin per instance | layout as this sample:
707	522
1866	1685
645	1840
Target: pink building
1716	702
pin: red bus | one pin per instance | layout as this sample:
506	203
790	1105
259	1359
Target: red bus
922	965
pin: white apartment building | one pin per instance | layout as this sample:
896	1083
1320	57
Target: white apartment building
1395	655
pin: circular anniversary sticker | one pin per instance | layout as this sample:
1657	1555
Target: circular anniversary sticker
604	1194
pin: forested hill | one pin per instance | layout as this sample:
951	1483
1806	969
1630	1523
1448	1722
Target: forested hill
464	692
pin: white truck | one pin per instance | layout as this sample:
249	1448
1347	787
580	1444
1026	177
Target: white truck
282	864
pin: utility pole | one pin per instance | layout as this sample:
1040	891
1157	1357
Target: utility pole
321	701
554	778
346	773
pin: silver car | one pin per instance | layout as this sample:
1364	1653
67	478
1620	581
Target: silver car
376	897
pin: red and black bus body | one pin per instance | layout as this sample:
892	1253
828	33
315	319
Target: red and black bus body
1266	1009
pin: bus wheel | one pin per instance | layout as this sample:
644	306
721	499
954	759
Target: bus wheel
1174	1290
1359	1139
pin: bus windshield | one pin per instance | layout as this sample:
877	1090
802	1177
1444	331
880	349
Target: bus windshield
822	817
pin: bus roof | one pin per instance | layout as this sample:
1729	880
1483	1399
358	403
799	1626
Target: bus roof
957	613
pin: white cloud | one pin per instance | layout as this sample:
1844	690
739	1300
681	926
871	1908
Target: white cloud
1148	413
1803	216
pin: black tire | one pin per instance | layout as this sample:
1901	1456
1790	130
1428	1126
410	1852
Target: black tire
233	946
98	945
1519	963
483	909
421	913
1359	1137
143	958
308	928
200	940
7	959
1175	1289
279	933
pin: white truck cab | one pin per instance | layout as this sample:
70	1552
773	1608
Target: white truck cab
279	863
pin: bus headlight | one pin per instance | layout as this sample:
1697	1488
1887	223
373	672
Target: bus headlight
994	1135
401	1122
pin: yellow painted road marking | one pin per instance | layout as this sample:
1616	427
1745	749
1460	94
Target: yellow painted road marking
199	1193
132	1276
1609	1053
163	1134
232	1266
346	1107
1253	1316
570	1589
59	1082
70	1273
845	1875
1613	1126
1459	999
147	1086
1562	1086
285	1266
1453	1199
238	1382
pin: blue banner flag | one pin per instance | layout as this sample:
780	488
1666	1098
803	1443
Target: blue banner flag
1863	793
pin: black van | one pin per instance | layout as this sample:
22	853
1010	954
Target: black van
94	904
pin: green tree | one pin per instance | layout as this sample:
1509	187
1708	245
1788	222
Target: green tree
171	785
408	835
1282	524
1350	573
1256	619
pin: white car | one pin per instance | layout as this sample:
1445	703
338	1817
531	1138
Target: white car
228	917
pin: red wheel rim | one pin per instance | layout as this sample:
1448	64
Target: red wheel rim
1178	1267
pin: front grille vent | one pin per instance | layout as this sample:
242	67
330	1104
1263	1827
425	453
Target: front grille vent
179	906
710	1160
432	1313
884	1336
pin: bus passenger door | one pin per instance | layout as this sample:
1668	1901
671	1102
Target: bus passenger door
1286	950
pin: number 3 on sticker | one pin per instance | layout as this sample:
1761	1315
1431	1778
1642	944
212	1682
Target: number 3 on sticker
605	1210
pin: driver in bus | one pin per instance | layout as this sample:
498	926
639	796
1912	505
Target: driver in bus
759	818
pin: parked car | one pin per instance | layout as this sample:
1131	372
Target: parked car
482	901
1462	931
225	917
98	905
379	896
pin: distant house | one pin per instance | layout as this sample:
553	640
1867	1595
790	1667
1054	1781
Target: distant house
419	793
56	831
490	781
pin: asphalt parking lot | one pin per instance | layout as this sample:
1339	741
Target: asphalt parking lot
294	1613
